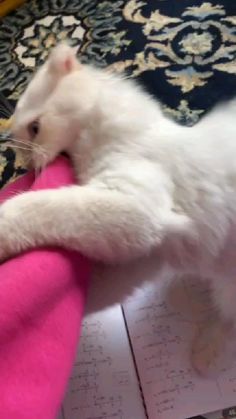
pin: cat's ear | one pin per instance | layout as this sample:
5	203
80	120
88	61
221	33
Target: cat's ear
62	60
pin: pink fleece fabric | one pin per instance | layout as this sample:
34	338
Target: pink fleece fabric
42	296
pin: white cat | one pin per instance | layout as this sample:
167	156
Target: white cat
148	186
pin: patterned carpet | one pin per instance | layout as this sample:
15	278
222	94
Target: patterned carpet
184	52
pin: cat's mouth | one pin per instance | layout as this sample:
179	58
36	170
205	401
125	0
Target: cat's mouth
41	157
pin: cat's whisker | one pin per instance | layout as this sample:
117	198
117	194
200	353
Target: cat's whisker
42	154
27	159
40	149
35	146
20	147
31	146
20	141
23	143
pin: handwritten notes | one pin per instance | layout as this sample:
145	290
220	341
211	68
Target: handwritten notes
104	384
161	334
161	323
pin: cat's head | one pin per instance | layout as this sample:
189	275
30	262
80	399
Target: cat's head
45	116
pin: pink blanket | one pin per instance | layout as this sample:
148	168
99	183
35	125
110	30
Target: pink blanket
42	296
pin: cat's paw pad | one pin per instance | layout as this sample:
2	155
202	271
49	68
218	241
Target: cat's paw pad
211	352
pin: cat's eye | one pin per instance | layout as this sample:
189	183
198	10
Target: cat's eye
33	129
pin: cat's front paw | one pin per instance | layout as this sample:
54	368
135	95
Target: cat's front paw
11	231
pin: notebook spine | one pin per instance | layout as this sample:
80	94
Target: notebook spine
135	364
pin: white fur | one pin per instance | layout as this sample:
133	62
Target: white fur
147	184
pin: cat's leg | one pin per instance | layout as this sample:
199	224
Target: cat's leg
214	346
105	225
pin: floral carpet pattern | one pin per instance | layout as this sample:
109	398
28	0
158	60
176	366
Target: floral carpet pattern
183	52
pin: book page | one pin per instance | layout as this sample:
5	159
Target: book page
104	384
161	329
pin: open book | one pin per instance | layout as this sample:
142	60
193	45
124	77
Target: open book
133	361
